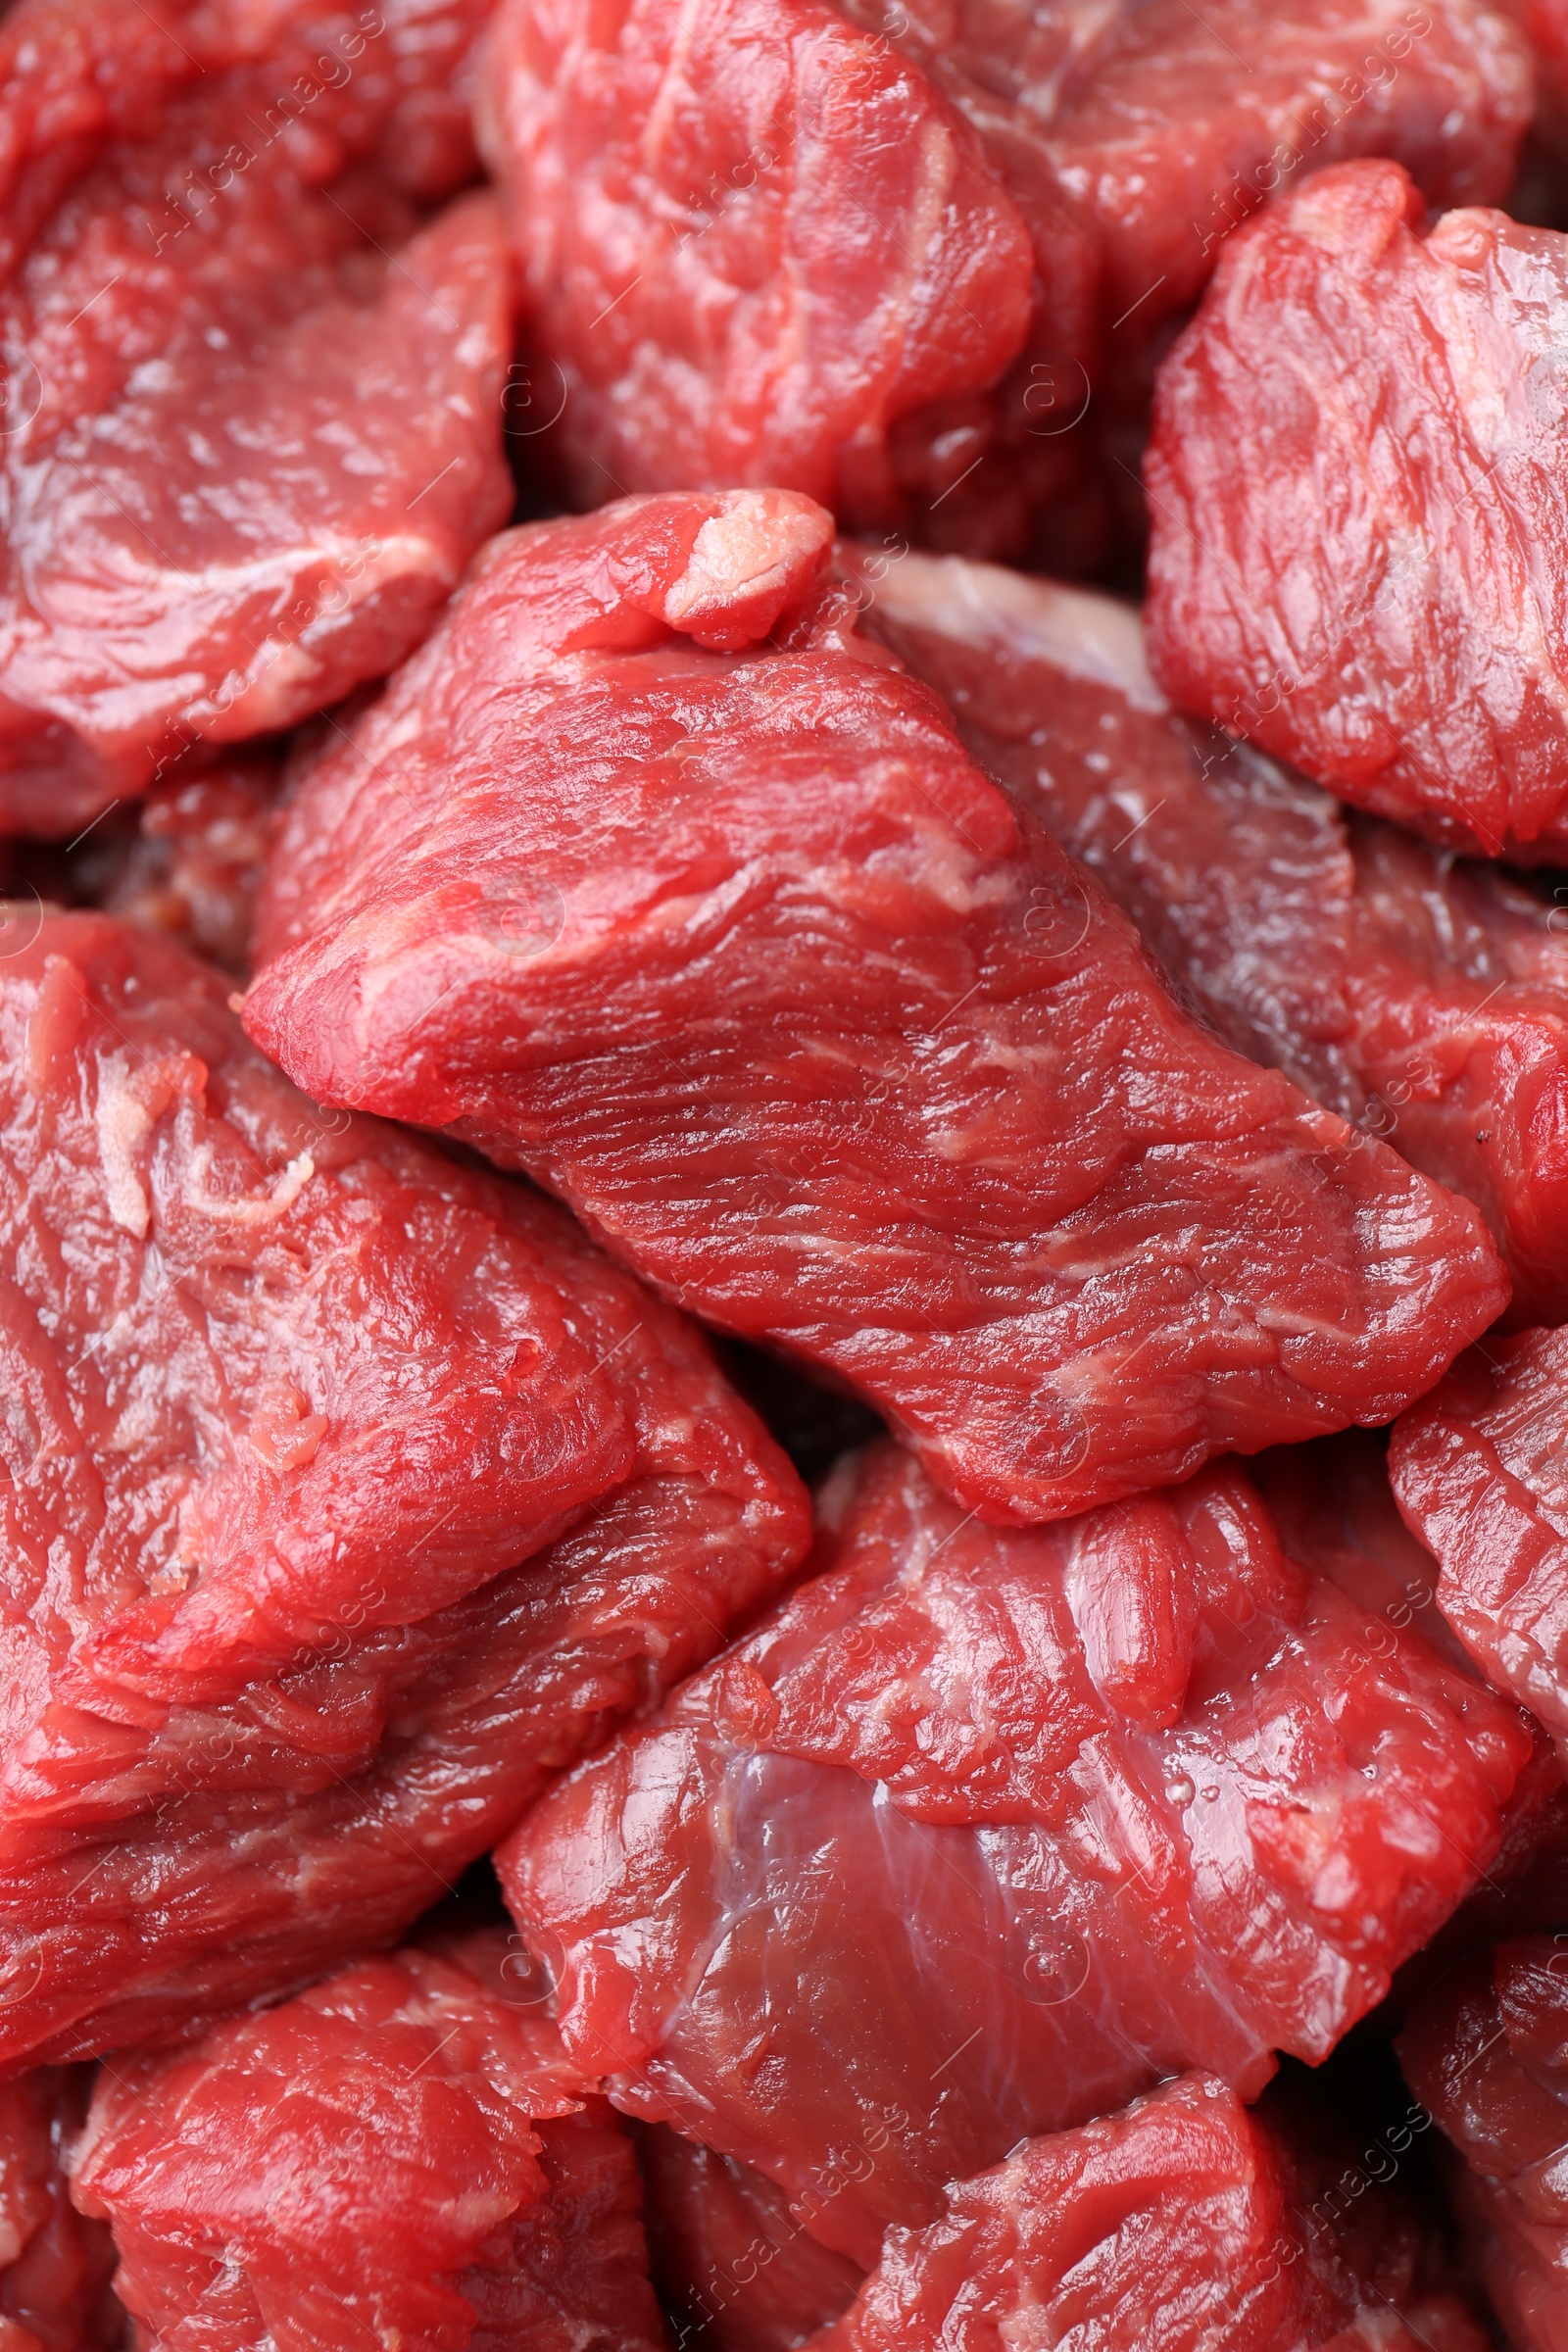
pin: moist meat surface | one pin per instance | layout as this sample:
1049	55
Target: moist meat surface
253	404
722	936
1359	553
1481	1472
349	1491
55	2263
1423	998
791	244
1167	2227
1485	2055
395	2157
981	1831
735	2267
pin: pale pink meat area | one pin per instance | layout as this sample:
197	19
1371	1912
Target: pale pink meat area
253	425
350	1492
981	1831
395	2156
1358	548
1423	998
739	952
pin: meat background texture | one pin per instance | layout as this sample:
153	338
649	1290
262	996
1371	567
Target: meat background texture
1488	2055
350	1491
393	2158
1358	550
722	937
981	1831
1423	998
252	422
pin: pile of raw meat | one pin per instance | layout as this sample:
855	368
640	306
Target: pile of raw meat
783	1176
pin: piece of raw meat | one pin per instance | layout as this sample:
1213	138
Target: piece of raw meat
349	1492
1487	2054
395	2157
55	2263
791	243
1481	1472
722	936
734	2266
1425	1001
981	1831
1359	557
1168	2228
752	239
252	422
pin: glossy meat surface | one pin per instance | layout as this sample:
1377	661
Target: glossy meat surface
1488	2055
752	239
395	2157
739	952
1167	2227
792	244
55	2263
253	406
1424	999
1481	1472
349	1491
980	1833
736	2268
1360	556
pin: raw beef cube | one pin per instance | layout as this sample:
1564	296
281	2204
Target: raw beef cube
753	240
1481	1472
249	447
349	1492
397	2157
982	1832
55	2264
1360	550
791	243
1424	1000
735	2267
1168	2228
722	936
1487	2054
193	867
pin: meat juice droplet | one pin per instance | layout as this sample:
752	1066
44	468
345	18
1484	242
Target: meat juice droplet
1180	1790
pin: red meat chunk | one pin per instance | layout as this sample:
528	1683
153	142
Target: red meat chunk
740	953
1359	553
735	2267
980	1833
754	240
1488	2056
791	243
1480	1473
349	1491
397	2157
55	2264
1424	1000
1168	2228
248	447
